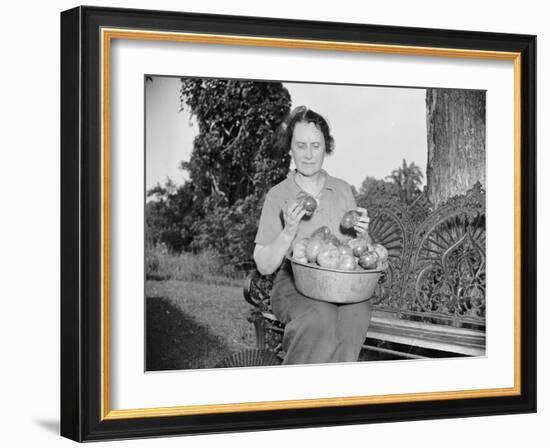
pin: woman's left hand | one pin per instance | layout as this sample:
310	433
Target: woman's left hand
363	225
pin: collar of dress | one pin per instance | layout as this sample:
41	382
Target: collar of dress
329	180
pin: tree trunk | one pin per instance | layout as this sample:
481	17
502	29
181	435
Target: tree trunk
456	142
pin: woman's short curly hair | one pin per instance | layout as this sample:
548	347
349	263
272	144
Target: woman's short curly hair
302	114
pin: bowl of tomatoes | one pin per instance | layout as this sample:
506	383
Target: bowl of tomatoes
332	270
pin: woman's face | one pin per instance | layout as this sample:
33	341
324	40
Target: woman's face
307	148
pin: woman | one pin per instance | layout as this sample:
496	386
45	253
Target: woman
315	331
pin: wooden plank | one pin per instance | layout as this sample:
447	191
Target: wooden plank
391	320
387	351
433	338
418	334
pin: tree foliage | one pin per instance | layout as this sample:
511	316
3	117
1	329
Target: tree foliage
169	217
235	160
401	186
373	188
407	179
234	154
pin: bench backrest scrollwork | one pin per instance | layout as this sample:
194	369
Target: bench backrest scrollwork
437	273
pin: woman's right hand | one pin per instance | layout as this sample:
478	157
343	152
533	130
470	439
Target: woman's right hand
269	257
292	217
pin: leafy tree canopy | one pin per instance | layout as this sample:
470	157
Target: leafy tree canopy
407	178
234	155
402	185
235	160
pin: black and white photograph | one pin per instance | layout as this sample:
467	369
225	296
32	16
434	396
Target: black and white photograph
292	223
274	224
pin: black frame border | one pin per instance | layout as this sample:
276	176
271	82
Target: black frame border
81	223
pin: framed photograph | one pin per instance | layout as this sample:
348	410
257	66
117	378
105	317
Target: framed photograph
276	223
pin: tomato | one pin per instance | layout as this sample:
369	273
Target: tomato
347	263
329	257
359	246
368	260
322	233
313	248
345	250
308	203
381	251
334	240
299	248
350	219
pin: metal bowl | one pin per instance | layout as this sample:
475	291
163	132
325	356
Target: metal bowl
334	285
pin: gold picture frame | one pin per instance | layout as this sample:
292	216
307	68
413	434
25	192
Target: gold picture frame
92	394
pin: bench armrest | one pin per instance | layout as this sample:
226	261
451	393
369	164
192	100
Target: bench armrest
246	290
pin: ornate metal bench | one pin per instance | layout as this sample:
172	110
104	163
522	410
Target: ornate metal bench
431	301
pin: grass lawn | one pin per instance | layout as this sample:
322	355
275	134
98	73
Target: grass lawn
193	325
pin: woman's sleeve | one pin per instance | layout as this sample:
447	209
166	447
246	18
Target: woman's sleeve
349	199
270	225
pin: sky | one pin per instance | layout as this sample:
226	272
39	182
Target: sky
374	128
